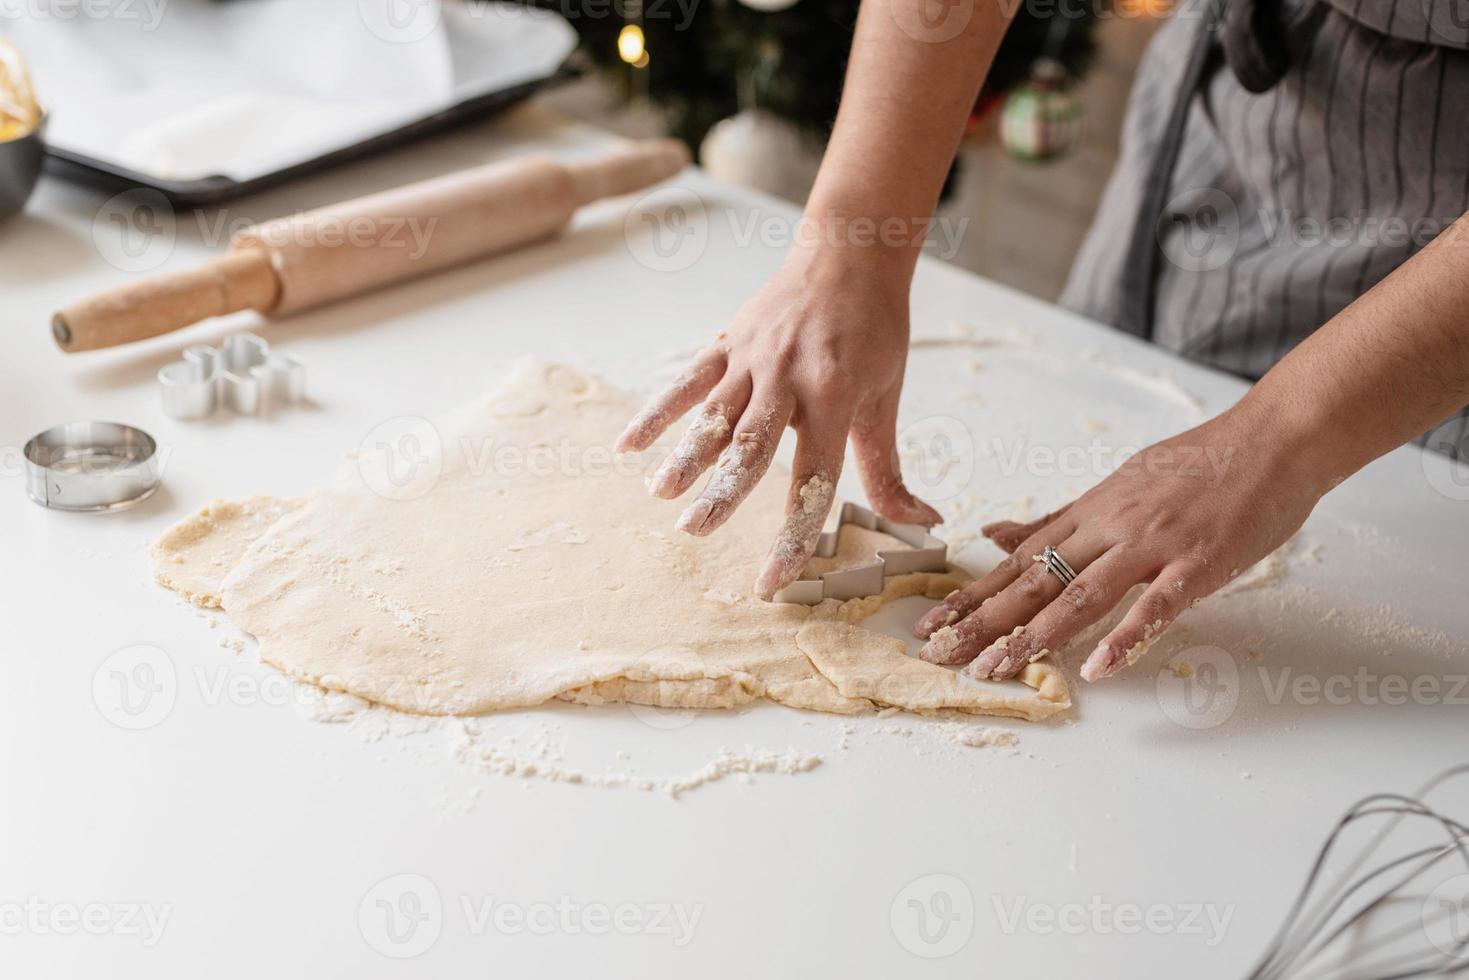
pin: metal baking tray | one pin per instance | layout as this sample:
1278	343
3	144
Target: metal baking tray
205	191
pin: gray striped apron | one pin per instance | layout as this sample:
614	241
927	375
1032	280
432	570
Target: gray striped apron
1279	157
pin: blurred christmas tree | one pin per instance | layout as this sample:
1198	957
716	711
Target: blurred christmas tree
705	60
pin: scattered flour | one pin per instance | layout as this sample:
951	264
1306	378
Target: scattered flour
329	707
845	731
470	745
980	736
952	733
1159	385
1273	569
536	753
377	722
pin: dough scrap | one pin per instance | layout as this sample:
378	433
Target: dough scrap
872	666
193	557
531	564
856	546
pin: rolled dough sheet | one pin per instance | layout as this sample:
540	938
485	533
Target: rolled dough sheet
525	562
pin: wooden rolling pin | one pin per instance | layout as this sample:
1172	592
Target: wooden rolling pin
346	249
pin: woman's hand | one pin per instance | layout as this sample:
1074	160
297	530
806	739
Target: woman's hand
1186	515
1191	513
821	348
823	345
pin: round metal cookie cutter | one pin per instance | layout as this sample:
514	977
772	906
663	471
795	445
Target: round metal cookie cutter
91	466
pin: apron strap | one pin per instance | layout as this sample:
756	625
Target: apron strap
1139	274
1257	45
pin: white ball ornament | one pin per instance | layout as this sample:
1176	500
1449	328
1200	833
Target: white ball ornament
769	6
757	149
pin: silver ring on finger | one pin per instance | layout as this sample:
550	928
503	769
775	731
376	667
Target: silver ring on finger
1056	565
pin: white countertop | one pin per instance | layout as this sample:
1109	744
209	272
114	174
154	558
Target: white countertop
267	837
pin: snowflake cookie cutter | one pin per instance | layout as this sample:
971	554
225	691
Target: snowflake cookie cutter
243	373
925	553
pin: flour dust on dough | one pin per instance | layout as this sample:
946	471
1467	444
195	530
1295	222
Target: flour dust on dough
522	561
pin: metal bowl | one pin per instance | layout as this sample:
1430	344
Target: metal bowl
20	168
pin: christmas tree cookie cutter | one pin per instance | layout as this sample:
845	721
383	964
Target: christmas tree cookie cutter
925	553
243	373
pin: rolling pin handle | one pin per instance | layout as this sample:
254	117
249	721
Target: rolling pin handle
241	280
627	169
